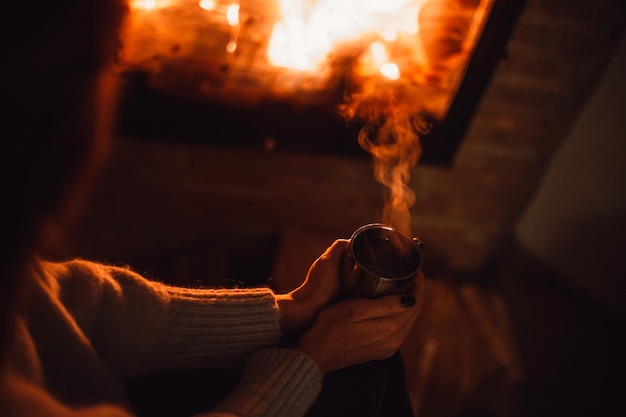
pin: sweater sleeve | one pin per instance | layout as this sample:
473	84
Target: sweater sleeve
139	326
276	383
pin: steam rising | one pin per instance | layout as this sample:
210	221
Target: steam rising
392	135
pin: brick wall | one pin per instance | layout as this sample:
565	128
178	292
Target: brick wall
555	56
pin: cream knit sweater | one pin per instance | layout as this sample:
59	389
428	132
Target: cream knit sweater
88	326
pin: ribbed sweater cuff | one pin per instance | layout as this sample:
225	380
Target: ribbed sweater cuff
276	383
217	328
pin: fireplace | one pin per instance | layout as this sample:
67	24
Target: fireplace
302	76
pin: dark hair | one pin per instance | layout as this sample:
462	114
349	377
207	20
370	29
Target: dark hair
51	60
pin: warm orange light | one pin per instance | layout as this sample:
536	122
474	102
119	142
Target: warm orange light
390	70
149	5
207	4
232	14
144	4
309	32
425	44
379	53
379	59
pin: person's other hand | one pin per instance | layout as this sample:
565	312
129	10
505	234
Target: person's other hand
299	308
360	330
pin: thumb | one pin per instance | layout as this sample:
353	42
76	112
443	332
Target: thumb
333	254
324	272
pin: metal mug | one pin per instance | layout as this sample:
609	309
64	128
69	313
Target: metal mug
384	261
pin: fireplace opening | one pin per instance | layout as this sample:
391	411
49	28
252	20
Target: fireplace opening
204	71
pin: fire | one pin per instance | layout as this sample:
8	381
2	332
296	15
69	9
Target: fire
390	70
232	14
380	58
287	47
207	4
310	32
150	4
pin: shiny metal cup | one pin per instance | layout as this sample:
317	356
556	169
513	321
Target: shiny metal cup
384	261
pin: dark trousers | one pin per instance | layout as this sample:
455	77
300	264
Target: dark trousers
372	389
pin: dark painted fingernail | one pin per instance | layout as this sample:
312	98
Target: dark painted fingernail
407	300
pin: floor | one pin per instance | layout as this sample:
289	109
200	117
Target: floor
572	347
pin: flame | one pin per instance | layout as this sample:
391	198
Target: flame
159	30
380	60
144	4
232	14
310	31
208	4
149	5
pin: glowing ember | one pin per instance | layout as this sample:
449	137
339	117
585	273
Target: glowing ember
380	59
150	4
232	14
390	70
207	4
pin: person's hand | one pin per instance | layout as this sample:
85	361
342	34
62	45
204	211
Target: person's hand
299	308
360	330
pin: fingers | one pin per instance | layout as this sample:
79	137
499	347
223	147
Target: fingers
358	329
388	306
319	289
330	261
384	316
391	329
346	333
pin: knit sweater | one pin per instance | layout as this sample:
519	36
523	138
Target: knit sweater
86	327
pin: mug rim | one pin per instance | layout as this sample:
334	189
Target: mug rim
392	229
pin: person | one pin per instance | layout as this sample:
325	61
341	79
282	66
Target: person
72	331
